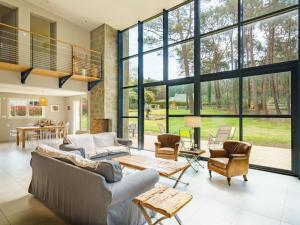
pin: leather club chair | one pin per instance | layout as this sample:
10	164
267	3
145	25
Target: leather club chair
167	146
231	161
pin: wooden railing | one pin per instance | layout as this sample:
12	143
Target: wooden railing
21	50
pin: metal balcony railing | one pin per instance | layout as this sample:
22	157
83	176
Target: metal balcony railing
21	50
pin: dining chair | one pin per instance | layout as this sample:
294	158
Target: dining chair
67	126
12	134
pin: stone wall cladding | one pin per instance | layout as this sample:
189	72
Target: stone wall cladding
104	97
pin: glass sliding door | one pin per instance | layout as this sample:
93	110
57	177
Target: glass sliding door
271	140
130	130
154	114
268	98
129	87
130	114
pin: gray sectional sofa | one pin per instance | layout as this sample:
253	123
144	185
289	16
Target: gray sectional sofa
97	146
84	197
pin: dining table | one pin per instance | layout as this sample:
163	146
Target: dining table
23	130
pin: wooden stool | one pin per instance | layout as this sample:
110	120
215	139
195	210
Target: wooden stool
163	200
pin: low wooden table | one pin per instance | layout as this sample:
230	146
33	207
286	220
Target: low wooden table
163	200
192	157
166	168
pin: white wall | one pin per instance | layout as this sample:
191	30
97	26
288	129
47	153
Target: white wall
66	31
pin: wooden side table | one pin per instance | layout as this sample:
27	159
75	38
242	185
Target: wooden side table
192	157
163	200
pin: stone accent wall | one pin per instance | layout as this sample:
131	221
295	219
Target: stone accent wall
104	97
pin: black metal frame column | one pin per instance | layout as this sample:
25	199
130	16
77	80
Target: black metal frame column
140	88
197	69
295	137
297	129
120	84
240	66
295	120
166	63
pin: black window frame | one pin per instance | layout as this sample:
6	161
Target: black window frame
240	73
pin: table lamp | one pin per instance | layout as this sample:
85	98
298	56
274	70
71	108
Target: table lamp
192	122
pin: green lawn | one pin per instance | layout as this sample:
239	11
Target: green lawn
84	122
265	132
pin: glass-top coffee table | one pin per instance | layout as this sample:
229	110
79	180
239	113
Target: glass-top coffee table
192	157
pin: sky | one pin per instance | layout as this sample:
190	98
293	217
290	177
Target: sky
153	62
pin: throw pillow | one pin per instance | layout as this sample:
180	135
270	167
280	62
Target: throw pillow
104	139
110	169
82	141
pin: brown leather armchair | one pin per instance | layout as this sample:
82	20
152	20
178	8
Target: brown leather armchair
167	146
232	160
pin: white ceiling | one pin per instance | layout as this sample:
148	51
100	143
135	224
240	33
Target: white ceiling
119	14
20	89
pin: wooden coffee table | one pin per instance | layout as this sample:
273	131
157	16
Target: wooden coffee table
163	200
166	168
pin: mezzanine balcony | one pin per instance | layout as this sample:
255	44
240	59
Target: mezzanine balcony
31	53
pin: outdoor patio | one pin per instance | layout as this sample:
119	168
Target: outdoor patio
261	155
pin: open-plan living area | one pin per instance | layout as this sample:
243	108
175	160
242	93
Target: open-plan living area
141	112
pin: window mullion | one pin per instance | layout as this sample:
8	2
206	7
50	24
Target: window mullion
166	63
240	66
197	69
140	88
120	84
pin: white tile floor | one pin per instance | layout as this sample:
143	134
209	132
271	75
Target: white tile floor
267	199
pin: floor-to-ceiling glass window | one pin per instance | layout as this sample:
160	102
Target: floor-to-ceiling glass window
129	92
266	97
246	78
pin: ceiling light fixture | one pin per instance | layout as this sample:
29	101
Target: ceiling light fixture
43	101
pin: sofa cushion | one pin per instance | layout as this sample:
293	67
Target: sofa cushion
106	151
104	139
111	150
117	149
97	154
219	162
82	140
166	151
110	170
